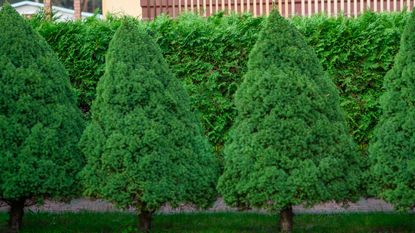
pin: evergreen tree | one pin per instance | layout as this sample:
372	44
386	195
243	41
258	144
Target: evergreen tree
392	150
289	144
40	123
144	147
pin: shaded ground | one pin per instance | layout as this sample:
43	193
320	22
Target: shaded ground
84	222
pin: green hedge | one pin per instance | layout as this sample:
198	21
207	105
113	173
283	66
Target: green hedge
357	53
81	46
210	56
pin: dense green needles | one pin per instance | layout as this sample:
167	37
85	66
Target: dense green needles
144	146
290	143
40	123
392	151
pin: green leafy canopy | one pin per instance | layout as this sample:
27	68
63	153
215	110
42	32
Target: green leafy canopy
144	147
40	123
290	143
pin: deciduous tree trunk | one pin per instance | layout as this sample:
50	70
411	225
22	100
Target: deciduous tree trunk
16	212
286	219
144	221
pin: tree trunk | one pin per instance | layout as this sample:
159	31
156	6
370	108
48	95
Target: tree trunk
16	215
85	7
77	9
286	219
144	223
47	7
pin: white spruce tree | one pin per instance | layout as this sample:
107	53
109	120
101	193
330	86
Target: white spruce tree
40	124
392	150
144	147
289	144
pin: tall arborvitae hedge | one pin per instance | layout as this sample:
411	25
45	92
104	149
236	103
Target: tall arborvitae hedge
290	144
40	123
210	54
144	146
392	151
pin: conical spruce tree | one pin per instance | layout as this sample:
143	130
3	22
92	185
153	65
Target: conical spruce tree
392	150
289	144
144	146
40	124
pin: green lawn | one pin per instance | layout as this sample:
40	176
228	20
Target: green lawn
214	223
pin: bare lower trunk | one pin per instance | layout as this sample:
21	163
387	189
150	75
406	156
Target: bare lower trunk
47	7
77	9
16	215
85	7
144	223
286	219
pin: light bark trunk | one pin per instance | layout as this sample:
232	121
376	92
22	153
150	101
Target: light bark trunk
77	9
47	7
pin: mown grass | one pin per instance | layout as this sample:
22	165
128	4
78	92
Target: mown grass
214	223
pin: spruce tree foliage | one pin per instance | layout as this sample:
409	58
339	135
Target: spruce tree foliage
40	124
290	143
392	151
144	146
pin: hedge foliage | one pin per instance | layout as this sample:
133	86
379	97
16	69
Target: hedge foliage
357	53
210	56
81	46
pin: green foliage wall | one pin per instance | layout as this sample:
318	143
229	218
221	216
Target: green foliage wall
81	46
357	53
210	56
